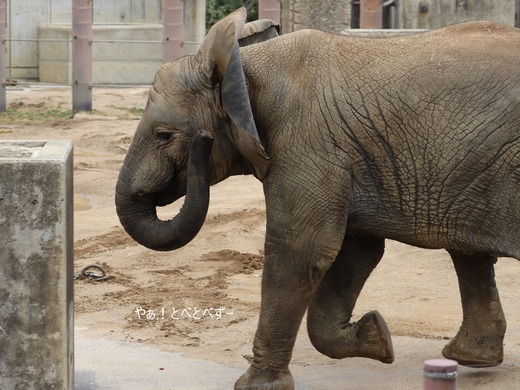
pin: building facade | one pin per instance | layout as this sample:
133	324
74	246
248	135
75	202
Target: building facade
39	31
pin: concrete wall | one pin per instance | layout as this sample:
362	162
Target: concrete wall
437	13
141	20
23	18
108	11
411	14
137	19
36	267
114	20
329	15
129	63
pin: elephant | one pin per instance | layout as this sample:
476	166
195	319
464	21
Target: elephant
355	141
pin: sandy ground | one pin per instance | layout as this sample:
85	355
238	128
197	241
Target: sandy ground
202	300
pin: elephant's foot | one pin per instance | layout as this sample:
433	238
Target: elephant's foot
480	351
478	344
479	341
375	341
368	338
252	380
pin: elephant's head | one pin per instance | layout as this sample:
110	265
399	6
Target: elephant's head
196	130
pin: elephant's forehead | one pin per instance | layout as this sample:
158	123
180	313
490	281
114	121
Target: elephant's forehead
170	108
171	98
166	84
168	70
172	75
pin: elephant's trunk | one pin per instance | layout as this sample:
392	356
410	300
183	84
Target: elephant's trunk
138	213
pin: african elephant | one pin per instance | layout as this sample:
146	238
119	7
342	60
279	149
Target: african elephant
355	141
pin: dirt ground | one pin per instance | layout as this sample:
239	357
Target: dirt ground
203	300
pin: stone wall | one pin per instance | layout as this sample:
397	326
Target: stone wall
136	20
437	13
113	63
36	271
141	20
336	16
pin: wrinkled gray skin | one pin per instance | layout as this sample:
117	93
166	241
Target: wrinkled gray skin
414	139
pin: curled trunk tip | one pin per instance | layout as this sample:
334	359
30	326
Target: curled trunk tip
139	217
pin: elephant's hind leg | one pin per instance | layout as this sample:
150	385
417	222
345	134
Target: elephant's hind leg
330	309
479	342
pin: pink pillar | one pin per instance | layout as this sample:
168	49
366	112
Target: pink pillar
371	14
2	56
82	55
173	29
269	9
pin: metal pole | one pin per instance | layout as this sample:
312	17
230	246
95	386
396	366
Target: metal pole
82	55
517	13
3	51
371	14
269	9
173	25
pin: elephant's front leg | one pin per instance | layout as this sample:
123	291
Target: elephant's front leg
297	254
479	342
330	310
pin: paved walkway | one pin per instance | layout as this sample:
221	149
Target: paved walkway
112	365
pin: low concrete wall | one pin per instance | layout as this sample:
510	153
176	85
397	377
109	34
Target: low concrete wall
381	33
36	265
431	14
113	63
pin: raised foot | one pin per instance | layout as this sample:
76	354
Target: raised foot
475	352
374	337
265	381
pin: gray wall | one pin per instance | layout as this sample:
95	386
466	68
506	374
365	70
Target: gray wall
336	15
326	15
25	17
445	12
109	11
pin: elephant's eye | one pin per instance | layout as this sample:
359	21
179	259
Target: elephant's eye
164	135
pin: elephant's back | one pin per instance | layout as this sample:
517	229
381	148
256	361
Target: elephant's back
439	114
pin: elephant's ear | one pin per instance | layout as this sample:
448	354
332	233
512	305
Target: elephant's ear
258	31
221	62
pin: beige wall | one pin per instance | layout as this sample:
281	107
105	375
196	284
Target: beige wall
336	15
107	11
326	15
445	12
25	17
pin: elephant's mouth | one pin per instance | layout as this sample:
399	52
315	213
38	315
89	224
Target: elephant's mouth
174	190
166	197
137	212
